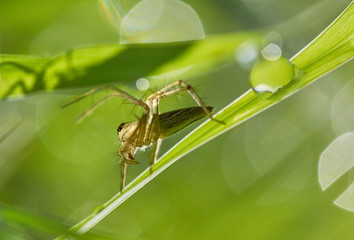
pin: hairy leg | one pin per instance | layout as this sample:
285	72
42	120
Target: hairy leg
116	93
176	87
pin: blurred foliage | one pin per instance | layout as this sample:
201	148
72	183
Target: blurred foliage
88	67
333	47
258	181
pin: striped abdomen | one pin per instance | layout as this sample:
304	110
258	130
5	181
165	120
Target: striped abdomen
174	121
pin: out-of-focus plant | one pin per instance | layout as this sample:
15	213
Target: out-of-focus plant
332	48
85	68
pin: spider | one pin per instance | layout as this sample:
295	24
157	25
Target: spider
152	126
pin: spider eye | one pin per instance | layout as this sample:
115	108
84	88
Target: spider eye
120	127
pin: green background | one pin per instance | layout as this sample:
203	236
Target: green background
257	181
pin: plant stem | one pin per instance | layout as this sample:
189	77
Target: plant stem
332	48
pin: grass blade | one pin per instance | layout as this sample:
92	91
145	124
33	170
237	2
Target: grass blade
332	48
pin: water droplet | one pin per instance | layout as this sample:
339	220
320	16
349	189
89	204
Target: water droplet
272	52
269	76
142	84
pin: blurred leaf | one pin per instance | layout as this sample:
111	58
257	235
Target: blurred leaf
330	49
105	64
14	219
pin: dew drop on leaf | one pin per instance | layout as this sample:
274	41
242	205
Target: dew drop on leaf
269	76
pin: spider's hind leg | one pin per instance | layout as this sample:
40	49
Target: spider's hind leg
180	86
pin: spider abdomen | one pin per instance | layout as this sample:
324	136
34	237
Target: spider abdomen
174	121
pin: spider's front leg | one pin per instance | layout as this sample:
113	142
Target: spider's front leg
116	92
123	174
152	135
132	135
126	158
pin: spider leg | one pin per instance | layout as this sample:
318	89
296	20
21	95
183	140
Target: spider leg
154	153
123	174
123	168
152	132
177	87
116	93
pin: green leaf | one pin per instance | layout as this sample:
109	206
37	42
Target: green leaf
97	65
330	49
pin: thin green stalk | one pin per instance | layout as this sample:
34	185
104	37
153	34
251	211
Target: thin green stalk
332	48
